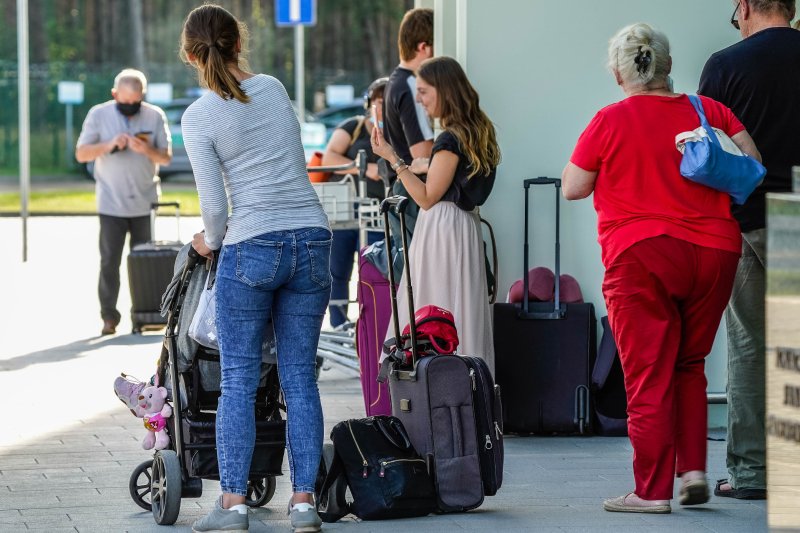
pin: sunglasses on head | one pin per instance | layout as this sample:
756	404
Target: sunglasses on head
734	20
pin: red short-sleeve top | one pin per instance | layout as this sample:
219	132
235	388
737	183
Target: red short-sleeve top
639	192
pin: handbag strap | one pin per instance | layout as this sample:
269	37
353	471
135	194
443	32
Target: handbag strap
698	107
393	429
212	270
606	355
340	508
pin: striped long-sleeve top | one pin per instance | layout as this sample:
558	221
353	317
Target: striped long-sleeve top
249	164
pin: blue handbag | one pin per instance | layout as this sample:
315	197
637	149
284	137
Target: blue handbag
710	158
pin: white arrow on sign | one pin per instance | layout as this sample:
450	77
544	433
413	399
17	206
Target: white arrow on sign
294	10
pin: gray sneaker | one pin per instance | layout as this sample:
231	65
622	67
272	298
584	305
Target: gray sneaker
304	518
220	520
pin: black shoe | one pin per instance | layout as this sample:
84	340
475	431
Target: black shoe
739	494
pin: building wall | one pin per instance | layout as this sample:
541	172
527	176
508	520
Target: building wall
539	67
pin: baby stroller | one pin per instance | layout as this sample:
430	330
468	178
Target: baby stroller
193	371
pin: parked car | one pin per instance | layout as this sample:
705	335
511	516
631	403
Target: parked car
180	160
335	115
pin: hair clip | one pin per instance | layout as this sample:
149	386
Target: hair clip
643	60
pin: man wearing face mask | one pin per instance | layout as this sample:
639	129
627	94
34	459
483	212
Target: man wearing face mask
127	139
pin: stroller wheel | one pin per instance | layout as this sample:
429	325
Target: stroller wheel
139	485
260	491
165	494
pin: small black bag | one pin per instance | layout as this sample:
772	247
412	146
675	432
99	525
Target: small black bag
386	477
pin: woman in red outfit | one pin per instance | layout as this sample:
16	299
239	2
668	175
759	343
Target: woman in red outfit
670	248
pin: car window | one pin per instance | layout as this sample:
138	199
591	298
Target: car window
334	118
174	114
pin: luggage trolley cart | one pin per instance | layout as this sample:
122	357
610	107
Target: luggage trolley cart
348	207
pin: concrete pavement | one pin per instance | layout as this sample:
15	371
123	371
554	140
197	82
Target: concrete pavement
68	447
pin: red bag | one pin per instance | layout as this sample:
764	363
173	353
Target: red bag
436	332
317	177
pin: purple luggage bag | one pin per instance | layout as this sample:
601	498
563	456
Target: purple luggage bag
374	314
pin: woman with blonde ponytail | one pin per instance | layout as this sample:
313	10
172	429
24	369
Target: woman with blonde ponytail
261	212
670	247
446	256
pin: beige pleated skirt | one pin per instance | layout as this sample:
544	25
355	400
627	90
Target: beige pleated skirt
447	269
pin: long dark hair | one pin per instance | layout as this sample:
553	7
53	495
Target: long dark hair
460	113
215	39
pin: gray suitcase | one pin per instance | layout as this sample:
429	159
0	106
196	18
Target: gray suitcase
434	401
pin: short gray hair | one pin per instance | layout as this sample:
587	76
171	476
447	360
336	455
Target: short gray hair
639	54
784	8
132	78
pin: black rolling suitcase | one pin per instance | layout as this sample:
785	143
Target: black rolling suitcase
544	354
434	401
488	407
150	269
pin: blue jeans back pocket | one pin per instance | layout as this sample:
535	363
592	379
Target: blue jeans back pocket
319	253
257	261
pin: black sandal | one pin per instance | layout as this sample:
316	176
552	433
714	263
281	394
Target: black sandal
739	494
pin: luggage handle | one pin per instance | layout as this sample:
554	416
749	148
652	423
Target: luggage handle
399	204
154	209
559	311
394	433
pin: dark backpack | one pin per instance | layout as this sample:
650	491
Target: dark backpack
373	457
608	387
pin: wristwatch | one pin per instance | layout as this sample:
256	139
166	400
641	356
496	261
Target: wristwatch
398	164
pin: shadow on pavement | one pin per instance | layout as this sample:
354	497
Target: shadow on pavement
76	349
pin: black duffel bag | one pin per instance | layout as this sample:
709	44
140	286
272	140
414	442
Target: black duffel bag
386	477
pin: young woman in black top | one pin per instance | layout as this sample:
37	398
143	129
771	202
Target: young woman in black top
446	255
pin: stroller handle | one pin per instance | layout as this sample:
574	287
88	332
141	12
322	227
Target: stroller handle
193	257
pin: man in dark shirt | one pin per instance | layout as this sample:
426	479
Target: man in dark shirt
406	126
759	79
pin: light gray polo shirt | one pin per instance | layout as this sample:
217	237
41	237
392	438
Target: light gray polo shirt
127	182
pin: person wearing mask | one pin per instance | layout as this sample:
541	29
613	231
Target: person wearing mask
350	137
243	141
670	248
127	138
758	78
446	257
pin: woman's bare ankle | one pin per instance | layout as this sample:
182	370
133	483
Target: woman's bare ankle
692	475
633	499
229	500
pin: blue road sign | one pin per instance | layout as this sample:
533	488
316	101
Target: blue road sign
295	12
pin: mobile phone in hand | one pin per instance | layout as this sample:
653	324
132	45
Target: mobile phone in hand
143	135
373	111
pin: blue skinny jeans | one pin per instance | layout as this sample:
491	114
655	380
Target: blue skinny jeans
284	275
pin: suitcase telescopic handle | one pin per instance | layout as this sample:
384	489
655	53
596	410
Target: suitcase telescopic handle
558	311
154	209
399	204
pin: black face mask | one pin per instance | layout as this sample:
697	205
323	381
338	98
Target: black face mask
128	109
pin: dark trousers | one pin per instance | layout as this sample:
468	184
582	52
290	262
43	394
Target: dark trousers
345	245
113	231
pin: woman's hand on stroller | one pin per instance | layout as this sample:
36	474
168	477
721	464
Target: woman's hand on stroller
199	244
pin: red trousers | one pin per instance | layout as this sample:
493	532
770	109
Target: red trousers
665	299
